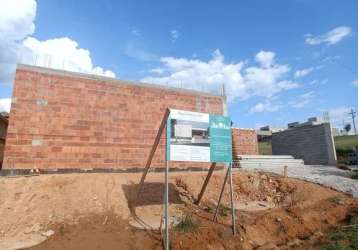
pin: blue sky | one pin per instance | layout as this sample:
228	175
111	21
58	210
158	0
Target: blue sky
281	61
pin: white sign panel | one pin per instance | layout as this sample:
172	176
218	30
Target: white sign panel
189	136
191	153
189	116
201	137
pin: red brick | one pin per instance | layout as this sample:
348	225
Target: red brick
90	122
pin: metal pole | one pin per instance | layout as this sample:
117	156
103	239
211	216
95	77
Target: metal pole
353	114
221	194
232	201
166	243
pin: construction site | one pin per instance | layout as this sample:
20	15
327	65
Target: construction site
91	162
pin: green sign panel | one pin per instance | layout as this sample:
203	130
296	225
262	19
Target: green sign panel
201	137
220	139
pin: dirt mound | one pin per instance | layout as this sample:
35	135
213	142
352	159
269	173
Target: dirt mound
93	211
301	214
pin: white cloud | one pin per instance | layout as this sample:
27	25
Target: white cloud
158	71
303	72
332	37
5	104
355	82
266	106
17	19
241	82
17	24
303	100
174	35
265	58
61	53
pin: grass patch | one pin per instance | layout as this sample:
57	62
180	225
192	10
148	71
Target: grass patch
337	236
335	199
354	176
346	141
336	246
224	210
208	209
186	224
265	148
345	238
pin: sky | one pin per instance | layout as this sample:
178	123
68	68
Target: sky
280	61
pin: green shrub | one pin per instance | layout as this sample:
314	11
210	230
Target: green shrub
345	238
337	236
335	199
186	224
343	152
224	210
354	176
336	246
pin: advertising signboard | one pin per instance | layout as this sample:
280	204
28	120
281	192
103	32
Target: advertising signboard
200	137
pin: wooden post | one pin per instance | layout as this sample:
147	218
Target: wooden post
151	155
221	194
232	201
210	173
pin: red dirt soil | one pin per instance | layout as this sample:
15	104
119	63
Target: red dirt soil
93	211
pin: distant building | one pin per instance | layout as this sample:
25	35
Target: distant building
310	121
311	141
336	132
264	134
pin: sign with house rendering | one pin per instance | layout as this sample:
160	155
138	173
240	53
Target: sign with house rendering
200	137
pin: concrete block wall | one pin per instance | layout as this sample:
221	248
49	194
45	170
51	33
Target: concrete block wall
244	142
312	143
60	120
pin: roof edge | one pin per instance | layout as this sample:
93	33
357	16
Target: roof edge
21	66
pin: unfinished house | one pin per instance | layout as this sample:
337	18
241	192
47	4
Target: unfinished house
66	120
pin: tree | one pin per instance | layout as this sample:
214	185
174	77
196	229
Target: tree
347	127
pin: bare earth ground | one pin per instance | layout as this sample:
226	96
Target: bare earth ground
329	176
93	211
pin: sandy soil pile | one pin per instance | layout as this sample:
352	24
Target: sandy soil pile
93	211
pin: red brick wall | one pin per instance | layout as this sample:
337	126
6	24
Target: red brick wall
67	120
244	142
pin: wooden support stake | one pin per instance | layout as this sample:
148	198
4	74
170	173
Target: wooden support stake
232	201
221	194
151	155
210	173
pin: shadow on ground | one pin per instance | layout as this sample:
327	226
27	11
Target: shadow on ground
152	193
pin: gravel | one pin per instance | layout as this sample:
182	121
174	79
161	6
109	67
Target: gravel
328	176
